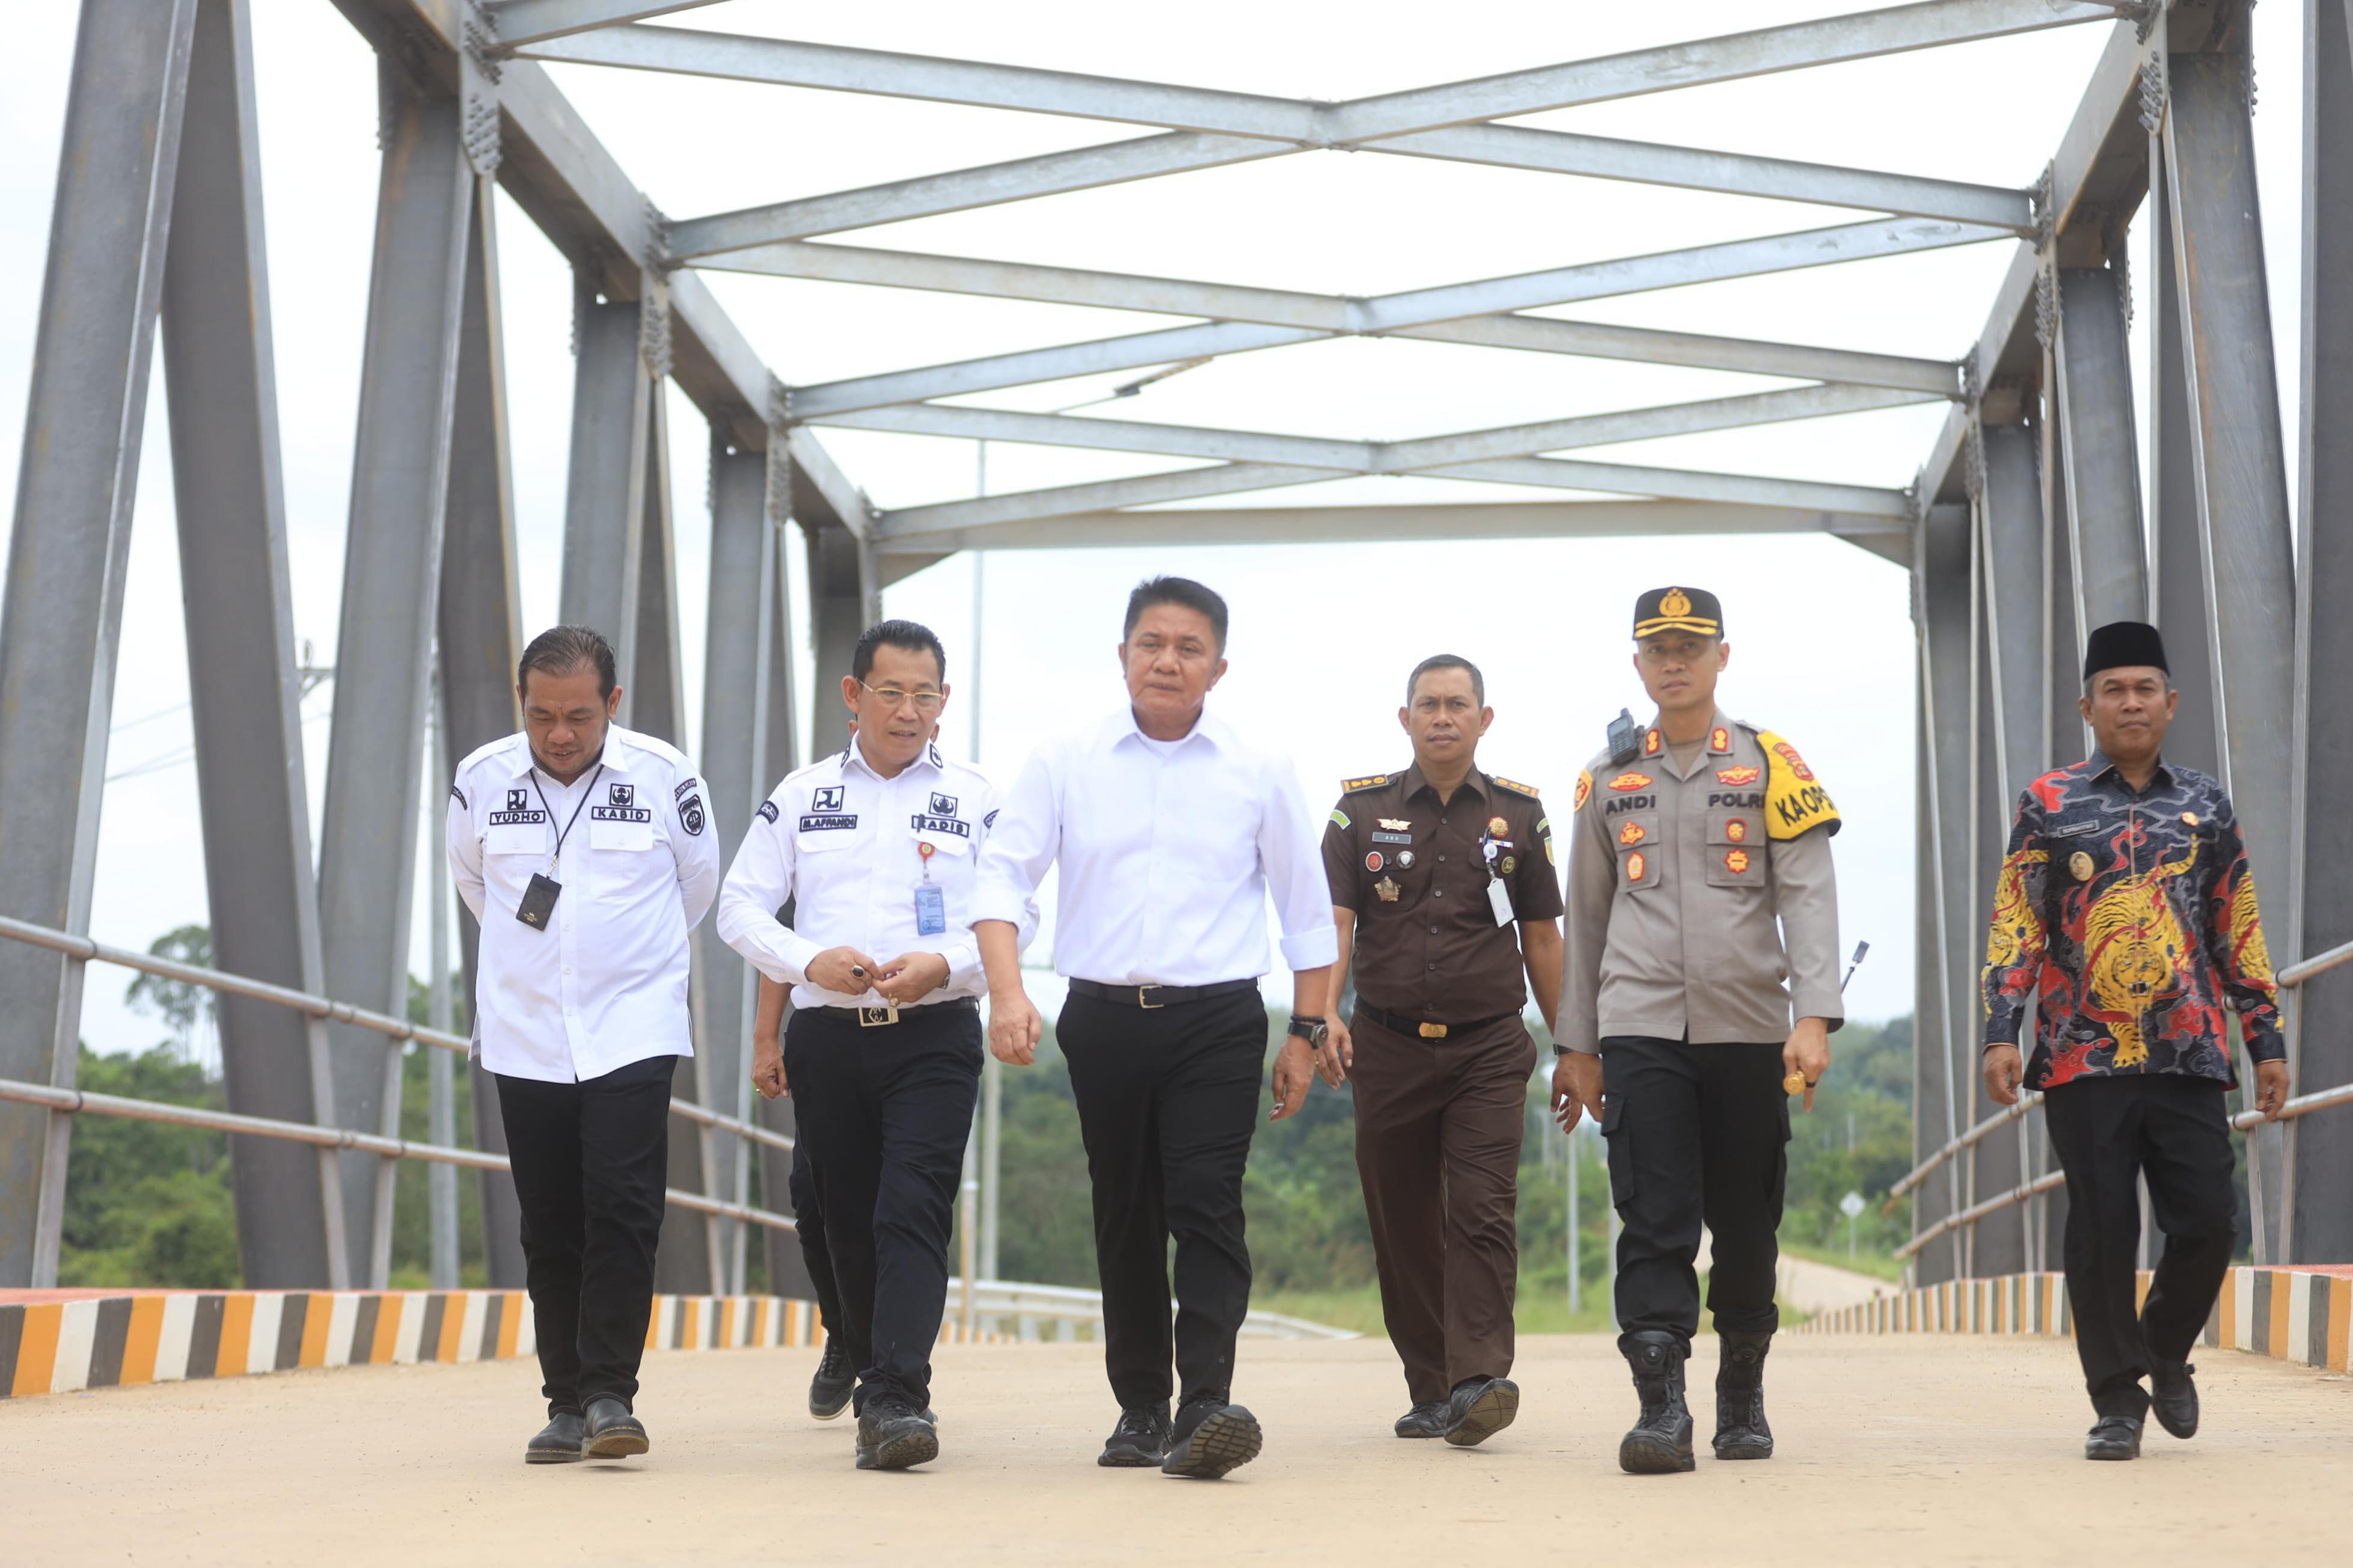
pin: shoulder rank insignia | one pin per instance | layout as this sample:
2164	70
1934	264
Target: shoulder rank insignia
1584	789
1501	782
1719	739
1370	781
1795	802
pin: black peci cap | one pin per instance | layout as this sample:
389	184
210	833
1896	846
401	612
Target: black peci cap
2123	645
1678	609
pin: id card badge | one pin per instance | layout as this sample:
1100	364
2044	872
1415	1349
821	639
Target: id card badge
1499	899
930	910
538	902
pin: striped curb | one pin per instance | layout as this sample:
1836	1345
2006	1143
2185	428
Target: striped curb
57	1341
2300	1315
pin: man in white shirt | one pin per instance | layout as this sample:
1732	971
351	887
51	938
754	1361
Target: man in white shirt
584	852
1170	831
874	850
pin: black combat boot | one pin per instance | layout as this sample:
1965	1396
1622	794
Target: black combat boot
1661	1442
1740	1429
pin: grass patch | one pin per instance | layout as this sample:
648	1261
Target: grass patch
1879	1265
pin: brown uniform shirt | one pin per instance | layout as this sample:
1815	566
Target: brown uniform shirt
1427	947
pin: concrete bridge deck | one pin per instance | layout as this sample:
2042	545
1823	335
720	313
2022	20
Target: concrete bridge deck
1897	1450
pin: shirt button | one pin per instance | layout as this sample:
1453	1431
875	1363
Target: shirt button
1441	860
1434	965
1434	893
1433	930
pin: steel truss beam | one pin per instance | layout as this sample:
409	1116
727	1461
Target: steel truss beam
1385	313
1216	128
1330	312
1375	457
520	22
1476	520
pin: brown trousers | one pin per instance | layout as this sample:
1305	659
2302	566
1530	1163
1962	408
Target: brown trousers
1439	1127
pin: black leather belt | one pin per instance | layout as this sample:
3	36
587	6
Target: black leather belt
1413	1026
1156	996
890	1013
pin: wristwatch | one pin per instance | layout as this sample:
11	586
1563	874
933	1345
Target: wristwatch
1314	1031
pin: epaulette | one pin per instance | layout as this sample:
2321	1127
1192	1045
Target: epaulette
1500	783
1370	781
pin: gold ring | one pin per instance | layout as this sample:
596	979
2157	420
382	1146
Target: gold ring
1795	1084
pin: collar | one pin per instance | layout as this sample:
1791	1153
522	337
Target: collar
619	756
1413	781
928	757
1121	725
1719	737
2099	765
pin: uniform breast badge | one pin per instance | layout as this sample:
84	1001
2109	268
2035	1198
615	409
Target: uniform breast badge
1387	889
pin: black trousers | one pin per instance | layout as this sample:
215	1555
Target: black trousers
809	1226
591	1160
1698	1135
1168	1100
883	1113
2107	1132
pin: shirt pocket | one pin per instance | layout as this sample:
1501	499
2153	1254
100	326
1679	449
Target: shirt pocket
623	852
1735	849
1641	849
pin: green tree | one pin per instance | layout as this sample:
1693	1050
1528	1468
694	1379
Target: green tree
148	1202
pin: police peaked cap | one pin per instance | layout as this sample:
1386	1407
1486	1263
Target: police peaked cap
2124	644
1678	609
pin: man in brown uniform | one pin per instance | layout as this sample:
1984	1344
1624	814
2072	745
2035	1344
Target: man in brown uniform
1431	869
1689	840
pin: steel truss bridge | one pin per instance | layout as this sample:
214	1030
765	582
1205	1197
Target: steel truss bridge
2031	519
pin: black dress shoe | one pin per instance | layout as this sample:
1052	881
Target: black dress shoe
2174	1397
561	1442
893	1436
2113	1438
613	1432
1212	1440
1481	1406
1139	1441
829	1389
1661	1441
1427	1419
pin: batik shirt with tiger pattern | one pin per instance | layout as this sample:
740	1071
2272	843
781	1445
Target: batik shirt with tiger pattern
2126	919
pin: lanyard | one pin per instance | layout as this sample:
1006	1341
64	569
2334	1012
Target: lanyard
555	862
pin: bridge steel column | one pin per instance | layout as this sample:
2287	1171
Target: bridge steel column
845	598
737	668
392	569
2321	1166
61	617
479	631
781	752
2240	472
2101	458
2012	740
2178	531
1943	606
220	385
605	504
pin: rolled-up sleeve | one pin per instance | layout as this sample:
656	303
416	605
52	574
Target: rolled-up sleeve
1021	845
1292	862
1592	883
1805	893
759	883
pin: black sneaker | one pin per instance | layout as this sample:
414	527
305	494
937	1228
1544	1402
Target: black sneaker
1427	1419
893	1436
1138	1442
2113	1438
829	1389
1212	1440
2174	1397
1481	1407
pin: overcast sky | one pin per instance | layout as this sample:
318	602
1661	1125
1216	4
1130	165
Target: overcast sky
1323	636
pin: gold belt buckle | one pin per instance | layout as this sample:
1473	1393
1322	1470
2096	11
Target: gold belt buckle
1147	1005
873	1017
1433	1031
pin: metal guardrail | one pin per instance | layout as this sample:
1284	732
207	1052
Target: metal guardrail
2296	974
83	1102
1075	1304
330	1009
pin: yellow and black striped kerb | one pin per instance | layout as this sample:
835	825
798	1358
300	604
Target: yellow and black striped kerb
1678	609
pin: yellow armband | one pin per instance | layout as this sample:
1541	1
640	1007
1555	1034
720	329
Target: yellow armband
1795	802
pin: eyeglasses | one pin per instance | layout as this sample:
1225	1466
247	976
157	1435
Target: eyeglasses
926	703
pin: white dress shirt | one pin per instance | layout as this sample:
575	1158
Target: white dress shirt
845	846
1167	851
605	984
